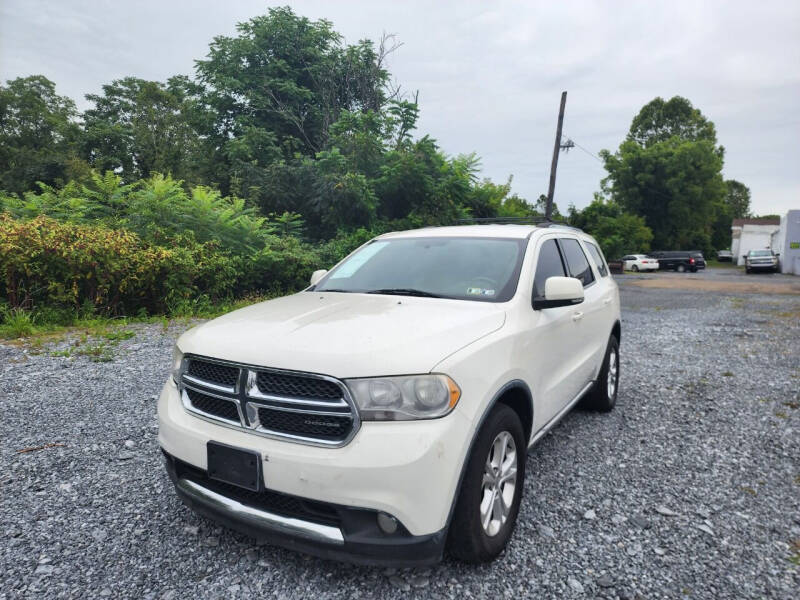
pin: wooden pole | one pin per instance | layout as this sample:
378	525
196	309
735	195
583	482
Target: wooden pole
554	165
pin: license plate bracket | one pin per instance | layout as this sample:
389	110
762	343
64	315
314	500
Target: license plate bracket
233	465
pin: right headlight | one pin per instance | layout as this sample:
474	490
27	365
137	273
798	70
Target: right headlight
404	398
178	365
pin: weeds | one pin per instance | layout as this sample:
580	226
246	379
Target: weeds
17	323
101	352
118	336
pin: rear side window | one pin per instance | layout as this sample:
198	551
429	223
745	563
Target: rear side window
597	256
576	261
549	265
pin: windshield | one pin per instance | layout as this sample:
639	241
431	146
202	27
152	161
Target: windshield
760	253
465	268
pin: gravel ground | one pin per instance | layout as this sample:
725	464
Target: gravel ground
690	488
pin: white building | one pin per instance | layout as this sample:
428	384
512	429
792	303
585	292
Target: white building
753	234
789	242
782	236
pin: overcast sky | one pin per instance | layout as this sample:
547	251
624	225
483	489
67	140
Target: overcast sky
489	75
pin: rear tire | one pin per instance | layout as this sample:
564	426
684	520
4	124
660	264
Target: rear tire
603	396
680	268
635	269
488	501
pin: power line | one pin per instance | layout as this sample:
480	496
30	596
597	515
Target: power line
600	160
589	152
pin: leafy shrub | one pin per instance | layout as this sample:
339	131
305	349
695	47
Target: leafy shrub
44	262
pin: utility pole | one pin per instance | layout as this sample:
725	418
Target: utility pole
549	210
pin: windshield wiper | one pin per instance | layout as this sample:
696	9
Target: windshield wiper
333	290
404	292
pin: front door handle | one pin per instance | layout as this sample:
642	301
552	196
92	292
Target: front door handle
577	316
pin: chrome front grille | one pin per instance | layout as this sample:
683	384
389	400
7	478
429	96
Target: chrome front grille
302	407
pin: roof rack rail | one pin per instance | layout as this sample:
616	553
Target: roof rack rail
538	221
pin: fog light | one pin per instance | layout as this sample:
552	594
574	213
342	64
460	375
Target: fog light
387	523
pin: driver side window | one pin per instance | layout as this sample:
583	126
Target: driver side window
549	264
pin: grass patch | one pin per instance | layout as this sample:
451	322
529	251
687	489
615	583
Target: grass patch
793	404
727	374
17	323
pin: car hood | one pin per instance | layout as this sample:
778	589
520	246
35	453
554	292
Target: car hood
345	335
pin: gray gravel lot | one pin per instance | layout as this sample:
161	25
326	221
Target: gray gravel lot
690	488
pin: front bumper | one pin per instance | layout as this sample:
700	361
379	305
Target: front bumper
409	470
763	266
328	531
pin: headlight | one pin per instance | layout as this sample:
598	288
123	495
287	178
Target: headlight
178	365
404	398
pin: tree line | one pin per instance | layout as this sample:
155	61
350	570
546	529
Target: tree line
286	149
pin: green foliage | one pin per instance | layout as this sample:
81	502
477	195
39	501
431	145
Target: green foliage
38	134
617	232
16	322
661	120
44	262
735	205
737	199
675	184
276	88
143	127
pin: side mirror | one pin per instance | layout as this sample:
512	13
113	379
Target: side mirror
560	291
317	275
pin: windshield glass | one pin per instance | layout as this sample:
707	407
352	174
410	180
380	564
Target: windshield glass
465	268
760	253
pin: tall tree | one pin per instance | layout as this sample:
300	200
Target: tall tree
139	127
660	120
669	171
737	199
278	86
38	134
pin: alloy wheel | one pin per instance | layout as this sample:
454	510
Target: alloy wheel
499	483
611	380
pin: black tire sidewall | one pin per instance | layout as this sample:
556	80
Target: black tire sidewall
483	547
601	401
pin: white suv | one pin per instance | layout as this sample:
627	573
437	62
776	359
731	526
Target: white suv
385	412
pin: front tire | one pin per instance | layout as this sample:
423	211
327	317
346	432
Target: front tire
603	396
488	502
635	269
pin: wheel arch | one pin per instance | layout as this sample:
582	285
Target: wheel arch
516	394
616	330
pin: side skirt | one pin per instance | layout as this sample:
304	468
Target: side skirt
554	421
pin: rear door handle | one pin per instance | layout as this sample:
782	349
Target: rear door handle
577	316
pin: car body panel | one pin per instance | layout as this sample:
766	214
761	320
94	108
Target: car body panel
316	332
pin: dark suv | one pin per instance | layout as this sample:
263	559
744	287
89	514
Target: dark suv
680	260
